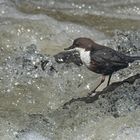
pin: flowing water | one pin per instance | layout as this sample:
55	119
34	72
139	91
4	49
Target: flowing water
32	31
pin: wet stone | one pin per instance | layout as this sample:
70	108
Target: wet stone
52	90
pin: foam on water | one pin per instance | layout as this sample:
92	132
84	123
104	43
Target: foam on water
26	87
128	9
22	29
129	134
32	136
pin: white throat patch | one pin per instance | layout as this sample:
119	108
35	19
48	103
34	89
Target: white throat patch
84	55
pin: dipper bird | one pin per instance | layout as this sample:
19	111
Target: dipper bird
100	59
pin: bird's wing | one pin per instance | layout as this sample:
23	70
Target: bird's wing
108	55
108	60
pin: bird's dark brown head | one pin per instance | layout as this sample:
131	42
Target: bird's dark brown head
85	43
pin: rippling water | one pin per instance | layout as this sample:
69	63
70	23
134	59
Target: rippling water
52	25
104	15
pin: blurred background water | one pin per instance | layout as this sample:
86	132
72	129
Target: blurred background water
51	25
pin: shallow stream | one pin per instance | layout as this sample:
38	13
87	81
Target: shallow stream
31	98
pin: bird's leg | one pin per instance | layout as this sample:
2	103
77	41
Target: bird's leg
102	80
109	79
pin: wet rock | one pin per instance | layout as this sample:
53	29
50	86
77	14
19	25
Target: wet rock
33	77
80	118
68	57
110	114
128	43
36	91
52	91
123	97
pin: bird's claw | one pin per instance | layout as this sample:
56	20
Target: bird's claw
92	93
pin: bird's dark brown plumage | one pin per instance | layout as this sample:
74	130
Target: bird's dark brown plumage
103	60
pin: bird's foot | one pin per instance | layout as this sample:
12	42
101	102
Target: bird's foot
92	93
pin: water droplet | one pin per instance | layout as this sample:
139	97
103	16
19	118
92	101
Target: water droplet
3	12
88	87
7	45
28	30
38	7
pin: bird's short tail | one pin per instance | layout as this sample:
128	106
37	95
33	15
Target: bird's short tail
135	58
131	59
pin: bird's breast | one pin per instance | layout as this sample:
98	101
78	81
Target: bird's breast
84	56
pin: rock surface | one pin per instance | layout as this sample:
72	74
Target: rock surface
62	111
114	111
117	106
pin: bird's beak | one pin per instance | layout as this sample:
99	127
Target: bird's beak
69	48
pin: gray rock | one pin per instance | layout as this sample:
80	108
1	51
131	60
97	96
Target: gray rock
47	97
108	114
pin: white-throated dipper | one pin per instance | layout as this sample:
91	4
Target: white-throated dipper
100	59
